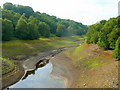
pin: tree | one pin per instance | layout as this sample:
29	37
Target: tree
103	42
70	30
109	25
28	11
7	14
8	6
21	30
33	32
95	38
16	17
44	29
7	30
103	22
53	27
113	36
61	30
80	31
92	34
116	52
104	33
25	23
32	18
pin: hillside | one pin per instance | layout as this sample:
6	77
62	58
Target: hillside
26	24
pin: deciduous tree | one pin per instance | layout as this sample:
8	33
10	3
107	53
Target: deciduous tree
7	30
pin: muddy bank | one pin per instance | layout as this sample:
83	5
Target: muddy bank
63	68
30	63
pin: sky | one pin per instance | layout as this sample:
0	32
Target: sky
85	11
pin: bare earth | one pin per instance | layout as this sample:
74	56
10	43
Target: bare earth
78	75
63	68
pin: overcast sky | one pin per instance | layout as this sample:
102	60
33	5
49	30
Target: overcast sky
85	11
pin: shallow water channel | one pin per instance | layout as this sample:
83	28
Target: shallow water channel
40	77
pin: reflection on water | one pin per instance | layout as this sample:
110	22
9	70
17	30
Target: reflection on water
39	78
40	64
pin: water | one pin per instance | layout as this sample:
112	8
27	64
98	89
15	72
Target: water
39	78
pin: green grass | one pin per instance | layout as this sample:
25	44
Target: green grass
79	57
78	50
7	66
94	62
75	53
22	49
90	63
82	39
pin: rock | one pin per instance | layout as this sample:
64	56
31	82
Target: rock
84	84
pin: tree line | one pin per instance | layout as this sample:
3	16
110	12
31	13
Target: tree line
21	22
106	34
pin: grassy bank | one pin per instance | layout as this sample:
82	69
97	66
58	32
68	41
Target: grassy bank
86	55
22	49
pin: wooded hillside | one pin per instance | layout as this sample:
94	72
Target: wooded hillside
22	22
